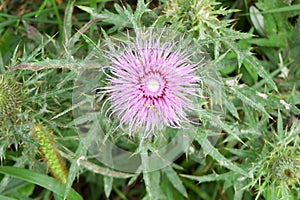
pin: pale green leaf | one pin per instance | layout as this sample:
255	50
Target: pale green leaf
108	182
151	179
6	198
210	177
215	154
175	180
249	98
257	20
74	169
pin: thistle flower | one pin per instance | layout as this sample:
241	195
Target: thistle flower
152	82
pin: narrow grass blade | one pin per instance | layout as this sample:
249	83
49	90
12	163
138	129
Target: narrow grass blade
39	179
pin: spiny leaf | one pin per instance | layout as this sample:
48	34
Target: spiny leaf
245	56
248	98
175	180
151	179
215	154
119	20
210	177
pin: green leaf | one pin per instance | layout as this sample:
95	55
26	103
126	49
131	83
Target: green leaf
215	154
257	20
108	182
89	10
6	198
40	10
27	190
247	57
280	125
169	191
175	180
283	9
41	180
152	183
294	43
248	97
74	169
217	122
231	107
119	20
249	76
210	177
140	10
151	179
68	21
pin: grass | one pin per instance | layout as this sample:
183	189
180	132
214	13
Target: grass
246	146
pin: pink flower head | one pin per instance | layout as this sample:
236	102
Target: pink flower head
152	83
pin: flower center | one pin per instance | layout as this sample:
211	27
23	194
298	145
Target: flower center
153	85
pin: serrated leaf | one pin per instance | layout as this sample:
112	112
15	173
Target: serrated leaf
242	153
249	98
141	8
119	20
152	183
133	179
231	108
211	177
215	154
218	123
175	180
238	36
169	191
246	56
151	179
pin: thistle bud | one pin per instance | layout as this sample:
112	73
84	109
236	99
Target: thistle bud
9	97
